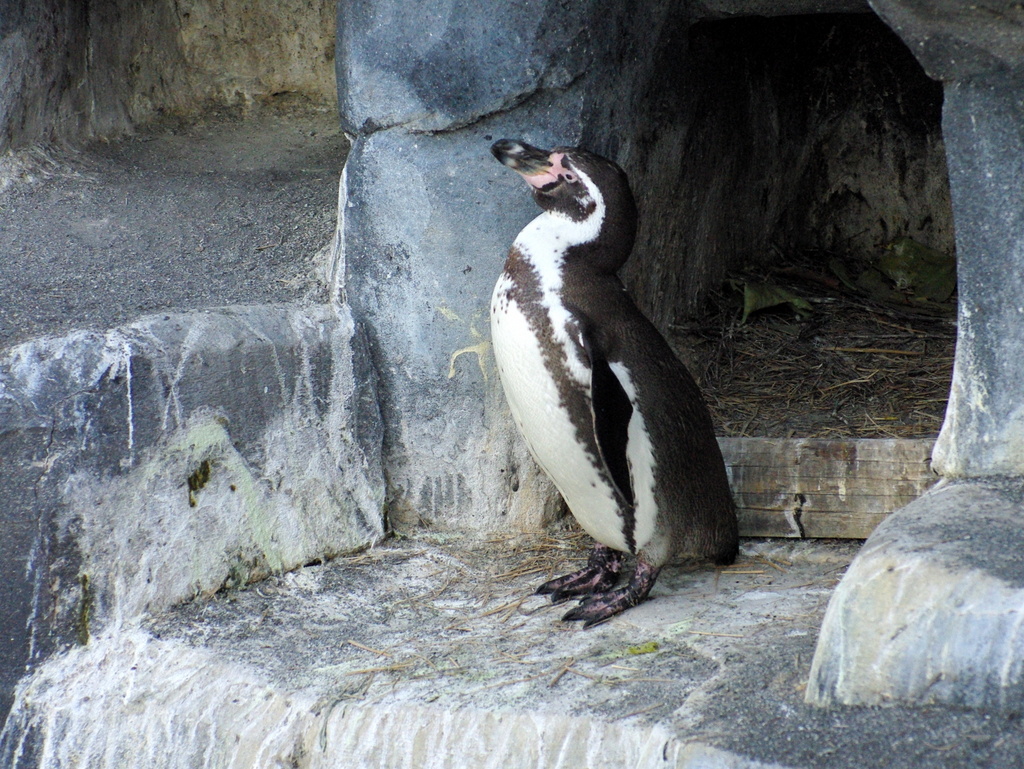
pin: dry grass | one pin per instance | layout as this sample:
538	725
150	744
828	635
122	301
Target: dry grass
853	369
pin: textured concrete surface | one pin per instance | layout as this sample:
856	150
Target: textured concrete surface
169	457
108	413
428	654
931	610
231	209
422	282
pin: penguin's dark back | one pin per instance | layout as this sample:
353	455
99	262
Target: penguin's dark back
692	485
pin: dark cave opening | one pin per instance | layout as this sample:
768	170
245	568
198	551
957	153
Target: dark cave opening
807	138
812	153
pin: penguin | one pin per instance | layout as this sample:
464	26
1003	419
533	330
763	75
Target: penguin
607	410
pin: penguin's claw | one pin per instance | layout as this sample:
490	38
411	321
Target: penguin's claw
598	576
602	606
580	583
599	607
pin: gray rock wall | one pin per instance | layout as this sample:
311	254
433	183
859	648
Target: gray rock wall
270	412
415	274
175	456
429	217
70	70
742	141
41	46
983	433
931	609
954	40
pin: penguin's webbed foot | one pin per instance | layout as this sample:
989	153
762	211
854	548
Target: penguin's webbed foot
598	576
599	607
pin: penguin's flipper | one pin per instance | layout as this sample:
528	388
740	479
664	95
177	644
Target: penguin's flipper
612	411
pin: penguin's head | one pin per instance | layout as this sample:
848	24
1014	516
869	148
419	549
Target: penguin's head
566	180
589	190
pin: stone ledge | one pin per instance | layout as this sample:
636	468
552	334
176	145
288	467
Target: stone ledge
418	654
931	610
424	653
170	705
169	457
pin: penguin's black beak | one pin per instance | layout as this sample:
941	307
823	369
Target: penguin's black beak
521	157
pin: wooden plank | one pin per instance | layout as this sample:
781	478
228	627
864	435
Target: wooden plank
809	487
824	503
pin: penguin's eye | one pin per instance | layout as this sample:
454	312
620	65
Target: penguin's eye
570	177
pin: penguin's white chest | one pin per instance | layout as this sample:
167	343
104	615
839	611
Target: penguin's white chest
534	398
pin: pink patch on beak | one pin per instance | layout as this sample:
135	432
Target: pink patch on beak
551	175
